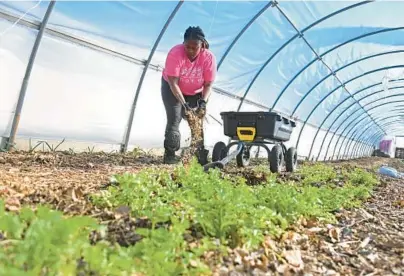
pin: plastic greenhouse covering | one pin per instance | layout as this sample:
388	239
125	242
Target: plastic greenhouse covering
335	66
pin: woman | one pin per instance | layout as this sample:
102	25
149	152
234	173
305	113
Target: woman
187	78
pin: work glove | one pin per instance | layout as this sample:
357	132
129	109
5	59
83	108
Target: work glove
201	104
201	110
187	107
188	111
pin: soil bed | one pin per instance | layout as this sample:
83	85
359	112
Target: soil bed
365	241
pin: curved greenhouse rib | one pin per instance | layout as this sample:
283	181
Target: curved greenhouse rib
357	124
366	148
343	112
398	131
336	107
346	127
357	131
377	106
124	145
353	123
394	111
356	138
347	143
350	153
324	63
377	136
350	141
338	87
372	141
331	50
270	3
339	69
355	148
28	70
361	120
290	40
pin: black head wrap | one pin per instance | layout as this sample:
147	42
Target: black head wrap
196	33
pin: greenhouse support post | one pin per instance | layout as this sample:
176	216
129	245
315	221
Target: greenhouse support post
368	151
243	30
124	145
351	141
360	136
364	132
348	136
356	150
373	140
21	97
364	149
342	68
372	108
264	65
319	57
351	115
343	84
341	146
376	139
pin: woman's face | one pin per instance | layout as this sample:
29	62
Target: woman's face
192	48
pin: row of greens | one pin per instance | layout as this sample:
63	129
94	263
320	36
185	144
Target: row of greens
190	213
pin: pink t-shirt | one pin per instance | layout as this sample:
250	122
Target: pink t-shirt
192	74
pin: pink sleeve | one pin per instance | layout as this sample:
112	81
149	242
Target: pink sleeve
209	73
172	66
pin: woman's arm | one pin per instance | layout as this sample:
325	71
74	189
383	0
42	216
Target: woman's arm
175	88
209	75
207	90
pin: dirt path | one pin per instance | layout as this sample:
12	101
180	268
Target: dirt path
367	241
62	180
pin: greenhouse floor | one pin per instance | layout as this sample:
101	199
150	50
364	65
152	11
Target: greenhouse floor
333	228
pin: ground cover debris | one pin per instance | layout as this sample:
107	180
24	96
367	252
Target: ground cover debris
114	214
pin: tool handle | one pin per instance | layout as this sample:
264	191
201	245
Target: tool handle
213	165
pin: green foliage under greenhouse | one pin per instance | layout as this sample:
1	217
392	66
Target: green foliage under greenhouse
186	212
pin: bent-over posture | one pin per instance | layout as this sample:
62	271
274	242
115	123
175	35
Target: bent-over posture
187	78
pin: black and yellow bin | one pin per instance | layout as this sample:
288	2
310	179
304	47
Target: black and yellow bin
247	129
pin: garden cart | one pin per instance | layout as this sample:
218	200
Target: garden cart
247	129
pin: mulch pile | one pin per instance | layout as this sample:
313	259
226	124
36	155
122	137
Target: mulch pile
195	123
366	241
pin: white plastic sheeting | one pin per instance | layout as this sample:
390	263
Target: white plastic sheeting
86	74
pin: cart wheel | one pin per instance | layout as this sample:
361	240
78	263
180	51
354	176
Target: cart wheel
291	159
243	158
276	159
219	151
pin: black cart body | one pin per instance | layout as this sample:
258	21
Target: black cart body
257	126
247	129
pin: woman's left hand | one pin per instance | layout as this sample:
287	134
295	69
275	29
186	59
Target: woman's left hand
201	109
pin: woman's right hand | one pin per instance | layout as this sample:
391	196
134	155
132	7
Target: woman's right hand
187	107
